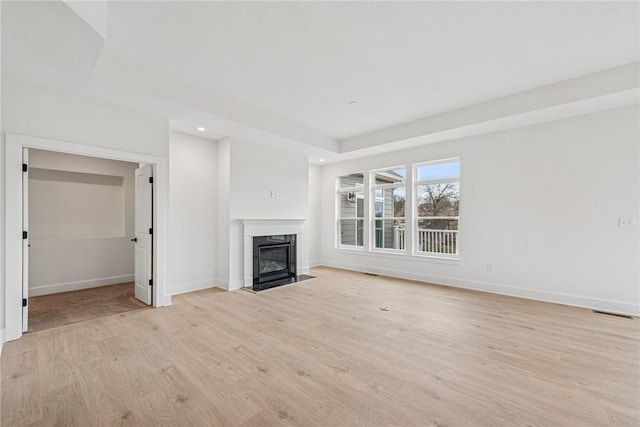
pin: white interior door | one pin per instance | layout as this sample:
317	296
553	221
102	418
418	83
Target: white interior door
144	234
25	239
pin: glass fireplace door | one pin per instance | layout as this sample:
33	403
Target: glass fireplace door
274	262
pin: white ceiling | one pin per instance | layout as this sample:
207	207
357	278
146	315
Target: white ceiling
291	68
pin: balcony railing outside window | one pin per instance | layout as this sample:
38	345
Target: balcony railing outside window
430	241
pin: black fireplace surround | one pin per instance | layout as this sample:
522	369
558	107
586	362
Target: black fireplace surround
274	261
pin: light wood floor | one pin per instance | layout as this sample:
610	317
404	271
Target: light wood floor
51	311
322	353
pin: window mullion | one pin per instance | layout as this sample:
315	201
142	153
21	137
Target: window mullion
366	211
438	181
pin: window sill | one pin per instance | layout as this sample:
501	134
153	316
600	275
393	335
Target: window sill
388	251
350	248
416	257
451	260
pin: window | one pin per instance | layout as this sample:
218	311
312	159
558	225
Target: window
351	210
389	194
433	213
437	196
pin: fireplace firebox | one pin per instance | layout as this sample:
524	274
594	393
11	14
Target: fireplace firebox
274	260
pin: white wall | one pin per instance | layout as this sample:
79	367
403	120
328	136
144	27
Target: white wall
193	213
84	244
312	226
2	234
540	203
223	181
33	110
257	172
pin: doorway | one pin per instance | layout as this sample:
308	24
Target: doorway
83	237
16	272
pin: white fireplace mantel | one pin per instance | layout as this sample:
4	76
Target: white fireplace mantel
270	227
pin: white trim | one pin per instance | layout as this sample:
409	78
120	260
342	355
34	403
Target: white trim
303	269
437	181
268	227
199	285
13	218
391	251
75	286
402	255
440	259
353	248
234	285
500	289
2	336
222	284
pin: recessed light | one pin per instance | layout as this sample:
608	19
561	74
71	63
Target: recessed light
321	160
353	103
201	129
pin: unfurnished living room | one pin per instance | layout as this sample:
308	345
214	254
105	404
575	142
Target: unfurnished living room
320	213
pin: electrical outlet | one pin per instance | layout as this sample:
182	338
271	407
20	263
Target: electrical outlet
626	222
489	267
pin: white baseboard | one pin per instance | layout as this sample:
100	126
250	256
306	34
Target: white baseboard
233	285
229	285
195	286
76	286
303	270
2	338
164	301
316	263
533	294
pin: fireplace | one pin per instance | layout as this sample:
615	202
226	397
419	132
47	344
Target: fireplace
274	260
273	236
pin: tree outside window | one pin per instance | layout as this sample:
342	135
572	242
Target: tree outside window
437	207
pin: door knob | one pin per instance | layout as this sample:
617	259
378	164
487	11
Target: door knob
135	239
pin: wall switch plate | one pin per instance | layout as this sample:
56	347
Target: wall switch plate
626	222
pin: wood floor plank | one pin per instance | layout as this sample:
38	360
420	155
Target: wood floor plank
322	353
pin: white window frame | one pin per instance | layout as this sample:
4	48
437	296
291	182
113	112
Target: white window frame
374	199
345	190
416	218
377	200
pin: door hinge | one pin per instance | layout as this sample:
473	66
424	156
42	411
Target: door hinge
25	234
150	180
151	231
24	302
25	167
150	282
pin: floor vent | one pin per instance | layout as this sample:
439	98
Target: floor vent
613	314
371	274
